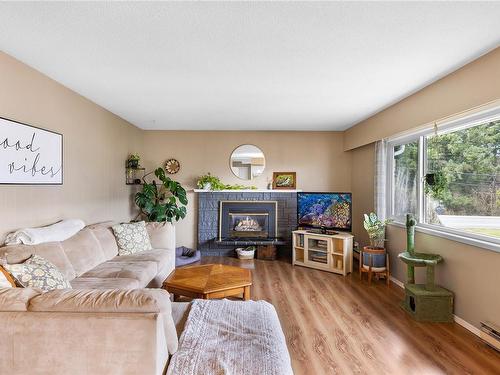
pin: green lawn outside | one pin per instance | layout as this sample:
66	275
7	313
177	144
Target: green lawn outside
493	232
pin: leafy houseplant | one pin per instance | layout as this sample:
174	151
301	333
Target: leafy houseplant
133	161
209	182
162	202
375	229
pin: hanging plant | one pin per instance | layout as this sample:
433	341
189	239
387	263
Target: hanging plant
436	185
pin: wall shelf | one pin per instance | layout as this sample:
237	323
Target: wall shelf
133	176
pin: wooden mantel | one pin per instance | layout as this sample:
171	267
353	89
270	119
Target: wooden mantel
248	191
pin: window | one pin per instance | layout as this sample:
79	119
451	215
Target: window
449	177
405	180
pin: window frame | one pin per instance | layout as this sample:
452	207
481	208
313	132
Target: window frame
456	124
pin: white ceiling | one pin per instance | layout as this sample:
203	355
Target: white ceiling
247	65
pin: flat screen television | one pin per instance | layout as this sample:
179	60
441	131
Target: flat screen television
325	211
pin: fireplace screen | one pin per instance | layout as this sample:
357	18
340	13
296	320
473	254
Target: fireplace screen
249	225
248	220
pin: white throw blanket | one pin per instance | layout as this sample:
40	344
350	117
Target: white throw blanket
231	337
56	232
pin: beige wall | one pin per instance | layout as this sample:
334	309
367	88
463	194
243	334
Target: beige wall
473	85
317	157
470	272
96	144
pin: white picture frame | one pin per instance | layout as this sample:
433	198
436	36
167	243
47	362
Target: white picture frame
29	155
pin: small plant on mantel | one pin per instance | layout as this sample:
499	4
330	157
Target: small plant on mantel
209	182
162	202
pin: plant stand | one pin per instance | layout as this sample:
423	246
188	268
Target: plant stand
424	302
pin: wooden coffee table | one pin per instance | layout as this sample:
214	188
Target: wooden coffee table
209	281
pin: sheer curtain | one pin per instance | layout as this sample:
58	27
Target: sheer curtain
380	187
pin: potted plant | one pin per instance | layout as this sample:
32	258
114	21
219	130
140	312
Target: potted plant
436	185
375	229
209	182
162	202
376	232
133	161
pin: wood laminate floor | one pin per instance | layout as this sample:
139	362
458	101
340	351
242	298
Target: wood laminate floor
340	325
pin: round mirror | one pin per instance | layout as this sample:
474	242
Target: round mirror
247	162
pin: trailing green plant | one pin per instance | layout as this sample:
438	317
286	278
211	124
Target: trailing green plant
436	185
375	229
134	157
162	202
215	183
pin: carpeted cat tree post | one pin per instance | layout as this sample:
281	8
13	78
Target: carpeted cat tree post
424	302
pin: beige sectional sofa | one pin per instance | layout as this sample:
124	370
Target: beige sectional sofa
114	321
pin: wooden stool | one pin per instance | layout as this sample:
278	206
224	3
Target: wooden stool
370	252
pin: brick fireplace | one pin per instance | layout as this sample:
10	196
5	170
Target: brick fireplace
253	214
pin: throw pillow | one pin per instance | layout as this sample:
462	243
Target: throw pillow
6	279
37	272
132	238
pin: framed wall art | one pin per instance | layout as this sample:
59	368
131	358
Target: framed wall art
284	180
29	155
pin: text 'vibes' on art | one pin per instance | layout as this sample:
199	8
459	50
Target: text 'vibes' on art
31	164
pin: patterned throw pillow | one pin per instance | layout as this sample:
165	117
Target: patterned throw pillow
132	238
37	272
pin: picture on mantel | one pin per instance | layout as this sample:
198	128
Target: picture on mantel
29	155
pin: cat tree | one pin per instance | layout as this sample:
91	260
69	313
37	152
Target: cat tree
424	302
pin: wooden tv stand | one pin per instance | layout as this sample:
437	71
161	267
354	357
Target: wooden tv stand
327	252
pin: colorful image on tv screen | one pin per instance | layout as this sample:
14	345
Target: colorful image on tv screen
329	210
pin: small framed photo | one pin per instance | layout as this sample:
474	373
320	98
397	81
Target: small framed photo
284	180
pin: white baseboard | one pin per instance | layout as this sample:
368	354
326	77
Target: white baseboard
397	282
469	327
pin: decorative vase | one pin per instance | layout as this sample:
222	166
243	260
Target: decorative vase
207	186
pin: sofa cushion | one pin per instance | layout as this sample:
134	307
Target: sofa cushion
100	283
161	235
83	251
106	238
16	299
160	256
143	271
132	238
37	272
180	312
52	251
111	301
